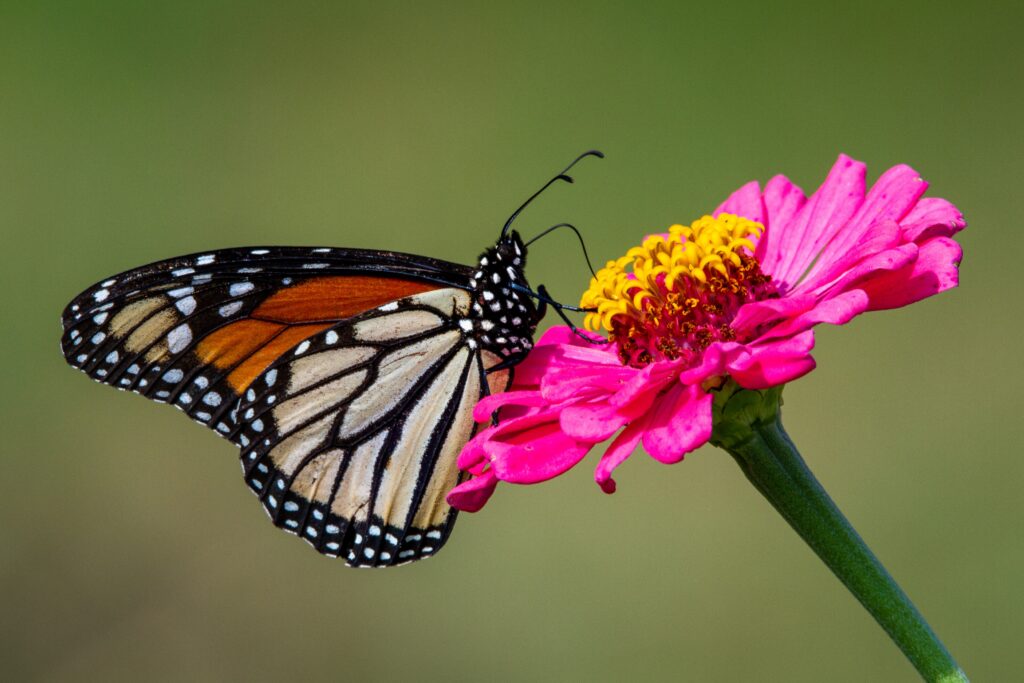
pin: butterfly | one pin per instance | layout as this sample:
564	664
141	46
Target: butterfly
347	377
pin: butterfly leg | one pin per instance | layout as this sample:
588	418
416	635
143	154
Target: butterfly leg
544	297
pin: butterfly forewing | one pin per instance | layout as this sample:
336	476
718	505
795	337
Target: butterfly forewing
195	331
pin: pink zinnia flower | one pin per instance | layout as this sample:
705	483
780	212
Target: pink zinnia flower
733	296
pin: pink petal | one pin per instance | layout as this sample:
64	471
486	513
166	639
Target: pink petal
757	314
535	455
935	270
818	221
774	363
882	237
932	217
620	449
844	298
782	199
487	405
591	422
745	202
681	422
476	454
558	334
895	194
651	378
580	381
470	496
714	362
836	310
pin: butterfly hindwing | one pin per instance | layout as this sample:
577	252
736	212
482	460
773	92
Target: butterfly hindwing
350	439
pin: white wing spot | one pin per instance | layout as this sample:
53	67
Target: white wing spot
111	281
201	382
291	506
393	306
182	271
228	310
100	319
434	534
257	426
331	337
181	291
314	266
270	379
260	252
368	552
98	337
240	288
212	399
101	295
374	530
186	305
302	348
112	357
205	260
332	529
179	338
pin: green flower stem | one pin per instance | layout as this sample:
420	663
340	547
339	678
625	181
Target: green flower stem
748	425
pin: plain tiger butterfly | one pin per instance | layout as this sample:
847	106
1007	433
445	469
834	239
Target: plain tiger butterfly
347	377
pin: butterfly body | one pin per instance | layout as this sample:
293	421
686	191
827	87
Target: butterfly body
346	377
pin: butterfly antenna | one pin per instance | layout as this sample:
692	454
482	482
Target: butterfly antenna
578	236
560	176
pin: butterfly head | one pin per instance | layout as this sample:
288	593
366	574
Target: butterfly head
506	316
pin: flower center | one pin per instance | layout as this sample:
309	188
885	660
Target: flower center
676	294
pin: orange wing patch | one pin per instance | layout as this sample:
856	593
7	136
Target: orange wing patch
336	298
291	315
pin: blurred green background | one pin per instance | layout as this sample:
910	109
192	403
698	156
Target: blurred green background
130	548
